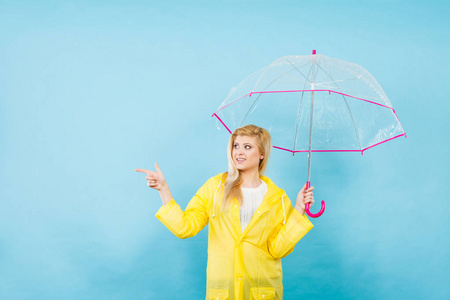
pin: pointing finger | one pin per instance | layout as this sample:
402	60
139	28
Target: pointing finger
144	171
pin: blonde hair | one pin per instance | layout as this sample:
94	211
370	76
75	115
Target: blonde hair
234	179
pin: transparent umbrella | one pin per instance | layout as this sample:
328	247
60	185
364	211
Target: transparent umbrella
313	103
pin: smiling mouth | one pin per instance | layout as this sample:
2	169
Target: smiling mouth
240	159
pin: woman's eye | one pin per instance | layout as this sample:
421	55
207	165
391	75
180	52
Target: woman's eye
236	146
247	147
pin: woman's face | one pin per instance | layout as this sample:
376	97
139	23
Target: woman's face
245	153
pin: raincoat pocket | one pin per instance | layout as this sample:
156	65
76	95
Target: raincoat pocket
262	293
215	294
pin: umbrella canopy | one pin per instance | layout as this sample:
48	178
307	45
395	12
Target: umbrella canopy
313	103
351	110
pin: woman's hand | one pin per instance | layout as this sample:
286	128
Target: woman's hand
157	181
304	197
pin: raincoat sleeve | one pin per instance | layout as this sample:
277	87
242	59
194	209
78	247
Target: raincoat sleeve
185	224
282	242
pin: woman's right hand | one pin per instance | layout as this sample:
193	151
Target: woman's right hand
156	179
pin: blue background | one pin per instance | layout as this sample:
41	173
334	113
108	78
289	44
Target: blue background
90	90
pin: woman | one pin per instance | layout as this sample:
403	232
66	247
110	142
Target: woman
252	224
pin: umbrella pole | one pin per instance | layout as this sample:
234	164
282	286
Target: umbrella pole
311	118
308	183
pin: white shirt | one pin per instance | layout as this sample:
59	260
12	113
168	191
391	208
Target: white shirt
252	199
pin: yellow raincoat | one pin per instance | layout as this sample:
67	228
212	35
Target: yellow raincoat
240	265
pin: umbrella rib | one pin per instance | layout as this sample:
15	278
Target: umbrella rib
254	102
299	115
322	83
259	78
251	107
345	100
353	121
287	75
329	76
265	70
299	71
296	125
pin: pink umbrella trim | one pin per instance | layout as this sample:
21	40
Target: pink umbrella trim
222	122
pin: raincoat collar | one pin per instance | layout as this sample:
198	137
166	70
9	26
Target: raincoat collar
272	189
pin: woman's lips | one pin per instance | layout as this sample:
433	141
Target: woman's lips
240	160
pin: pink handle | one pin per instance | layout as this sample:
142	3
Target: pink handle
322	205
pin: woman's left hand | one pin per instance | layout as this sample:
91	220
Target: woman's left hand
303	197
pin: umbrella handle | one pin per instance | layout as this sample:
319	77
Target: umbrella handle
322	205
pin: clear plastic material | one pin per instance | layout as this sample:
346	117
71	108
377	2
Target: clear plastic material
351	112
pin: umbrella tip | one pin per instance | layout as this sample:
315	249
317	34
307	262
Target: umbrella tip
314	52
